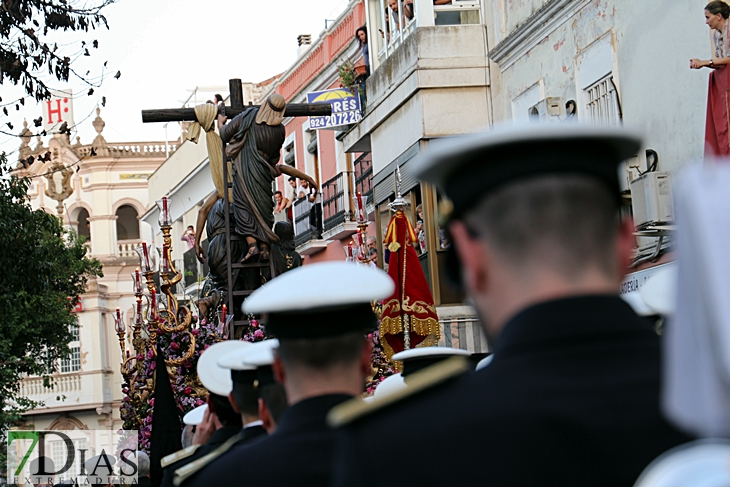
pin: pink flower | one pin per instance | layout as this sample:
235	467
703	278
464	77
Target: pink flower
174	346
152	402
195	332
188	390
258	334
188	365
153	366
255	323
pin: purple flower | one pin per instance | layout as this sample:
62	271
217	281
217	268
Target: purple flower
153	365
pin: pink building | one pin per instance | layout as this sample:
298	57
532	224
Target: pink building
319	152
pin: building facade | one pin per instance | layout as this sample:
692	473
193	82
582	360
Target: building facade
430	77
599	61
106	193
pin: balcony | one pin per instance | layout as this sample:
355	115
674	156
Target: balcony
430	77
363	166
72	391
337	207
307	236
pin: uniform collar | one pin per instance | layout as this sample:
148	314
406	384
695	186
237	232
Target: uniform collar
222	434
309	414
569	318
253	423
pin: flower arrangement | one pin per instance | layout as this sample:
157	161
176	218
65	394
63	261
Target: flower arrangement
382	367
189	393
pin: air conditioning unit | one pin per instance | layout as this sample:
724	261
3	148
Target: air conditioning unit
550	109
651	197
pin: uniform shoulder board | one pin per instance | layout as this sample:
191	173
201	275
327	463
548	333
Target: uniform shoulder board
178	455
186	471
355	409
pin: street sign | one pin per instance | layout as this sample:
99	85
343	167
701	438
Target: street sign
57	110
345	108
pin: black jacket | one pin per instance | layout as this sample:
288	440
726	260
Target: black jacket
218	437
299	453
571	398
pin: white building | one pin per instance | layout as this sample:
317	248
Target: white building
109	195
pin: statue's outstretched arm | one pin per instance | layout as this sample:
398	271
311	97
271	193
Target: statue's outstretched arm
200	224
290	171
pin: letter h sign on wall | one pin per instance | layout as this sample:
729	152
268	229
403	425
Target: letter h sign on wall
57	110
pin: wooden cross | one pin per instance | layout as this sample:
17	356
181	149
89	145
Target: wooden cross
236	107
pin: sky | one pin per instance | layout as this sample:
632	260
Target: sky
166	48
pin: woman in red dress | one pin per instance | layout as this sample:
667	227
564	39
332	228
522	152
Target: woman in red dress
717	138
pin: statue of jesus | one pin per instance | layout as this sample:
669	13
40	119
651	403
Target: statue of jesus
253	140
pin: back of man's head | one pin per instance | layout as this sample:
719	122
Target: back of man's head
274	397
321	354
224	411
565	225
246	397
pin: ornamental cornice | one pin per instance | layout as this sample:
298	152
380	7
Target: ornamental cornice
533	30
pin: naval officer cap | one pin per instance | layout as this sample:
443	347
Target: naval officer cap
195	416
214	377
243	369
320	300
417	359
261	356
466	168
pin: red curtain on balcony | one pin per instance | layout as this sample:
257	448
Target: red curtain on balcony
717	138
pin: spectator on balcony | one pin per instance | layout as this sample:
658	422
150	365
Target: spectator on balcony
420	233
280	208
717	138
361	35
189	237
403	18
291	197
315	212
303	189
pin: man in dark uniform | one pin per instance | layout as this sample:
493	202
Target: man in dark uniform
220	422
571	397
323	360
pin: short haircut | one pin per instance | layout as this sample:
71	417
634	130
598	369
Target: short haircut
143	464
322	353
246	397
292	178
274	396
225	412
278	192
567	222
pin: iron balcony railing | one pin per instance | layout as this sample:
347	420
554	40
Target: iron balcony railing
335	207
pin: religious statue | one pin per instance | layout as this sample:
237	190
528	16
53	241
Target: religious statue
253	140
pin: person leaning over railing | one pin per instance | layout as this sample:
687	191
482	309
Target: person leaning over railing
717	142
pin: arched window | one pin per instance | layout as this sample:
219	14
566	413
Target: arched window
84	227
127	223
